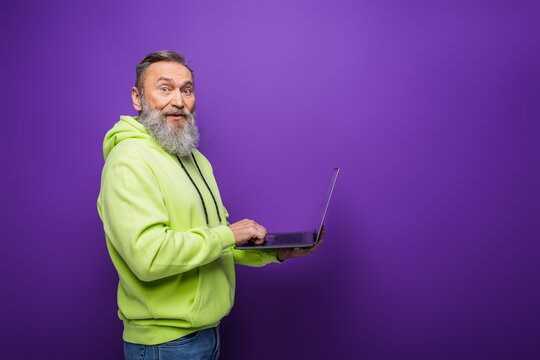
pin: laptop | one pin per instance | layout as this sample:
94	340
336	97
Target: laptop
294	239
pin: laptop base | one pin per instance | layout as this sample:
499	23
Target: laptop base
282	240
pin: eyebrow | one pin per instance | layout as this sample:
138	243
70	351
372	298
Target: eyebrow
166	78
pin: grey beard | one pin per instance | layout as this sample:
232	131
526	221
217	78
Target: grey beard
177	141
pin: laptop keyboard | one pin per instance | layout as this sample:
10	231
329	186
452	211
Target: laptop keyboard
288	238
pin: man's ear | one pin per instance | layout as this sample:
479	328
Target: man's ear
135	96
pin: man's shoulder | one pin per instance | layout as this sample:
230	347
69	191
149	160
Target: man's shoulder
128	148
136	150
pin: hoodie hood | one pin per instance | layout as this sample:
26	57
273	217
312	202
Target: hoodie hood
127	128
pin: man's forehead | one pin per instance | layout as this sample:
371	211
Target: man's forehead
167	70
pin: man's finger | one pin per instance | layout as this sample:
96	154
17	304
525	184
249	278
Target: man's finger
318	244
262	230
260	240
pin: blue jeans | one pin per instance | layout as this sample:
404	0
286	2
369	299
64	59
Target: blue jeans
203	345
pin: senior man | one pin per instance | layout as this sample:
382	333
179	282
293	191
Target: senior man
165	224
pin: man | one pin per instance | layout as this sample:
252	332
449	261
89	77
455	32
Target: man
165	224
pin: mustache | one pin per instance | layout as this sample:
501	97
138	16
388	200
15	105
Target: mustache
176	112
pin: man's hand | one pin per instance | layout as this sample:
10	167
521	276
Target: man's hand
245	230
287	253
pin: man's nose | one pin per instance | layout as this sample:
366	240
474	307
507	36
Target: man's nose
177	99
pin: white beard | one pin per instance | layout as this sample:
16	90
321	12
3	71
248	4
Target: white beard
175	140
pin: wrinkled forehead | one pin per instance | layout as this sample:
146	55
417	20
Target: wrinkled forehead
168	71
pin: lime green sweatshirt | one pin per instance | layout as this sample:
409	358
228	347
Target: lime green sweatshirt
176	273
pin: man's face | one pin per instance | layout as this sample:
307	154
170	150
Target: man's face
168	88
166	107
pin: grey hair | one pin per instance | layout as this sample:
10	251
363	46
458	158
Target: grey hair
164	55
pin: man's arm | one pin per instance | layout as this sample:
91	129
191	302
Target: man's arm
136	222
255	258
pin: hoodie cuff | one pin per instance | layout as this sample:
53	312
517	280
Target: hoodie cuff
225	235
270	256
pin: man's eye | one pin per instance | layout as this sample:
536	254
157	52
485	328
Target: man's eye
187	91
164	88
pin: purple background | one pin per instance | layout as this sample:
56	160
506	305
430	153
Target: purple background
431	110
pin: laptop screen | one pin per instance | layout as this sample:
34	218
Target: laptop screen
335	173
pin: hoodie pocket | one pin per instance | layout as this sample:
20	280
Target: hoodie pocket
215	291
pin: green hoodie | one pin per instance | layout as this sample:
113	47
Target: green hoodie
176	273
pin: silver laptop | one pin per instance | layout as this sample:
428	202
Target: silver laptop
294	239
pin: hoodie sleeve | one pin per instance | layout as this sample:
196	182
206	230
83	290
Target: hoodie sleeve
136	222
255	258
